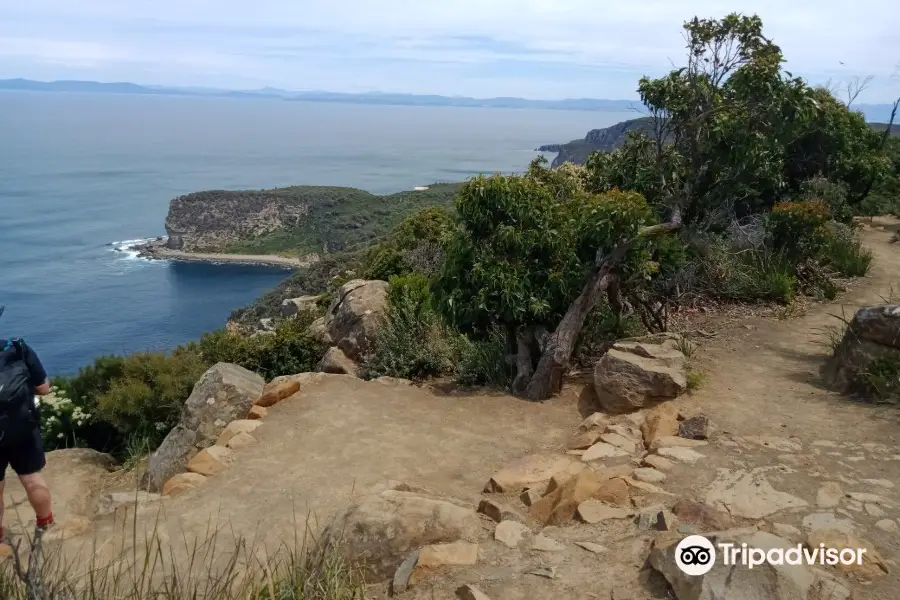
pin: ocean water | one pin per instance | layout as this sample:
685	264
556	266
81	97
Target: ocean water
82	174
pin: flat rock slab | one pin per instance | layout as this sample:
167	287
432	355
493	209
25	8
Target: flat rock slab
685	455
529	470
453	554
594	511
602	450
749	495
511	533
648	475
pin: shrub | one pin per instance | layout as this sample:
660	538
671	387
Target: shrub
413	246
798	228
63	422
413	343
844	253
147	398
602	327
485	361
881	379
289	349
832	193
748	275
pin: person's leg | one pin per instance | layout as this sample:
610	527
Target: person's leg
28	460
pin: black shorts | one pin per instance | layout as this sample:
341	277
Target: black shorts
25	457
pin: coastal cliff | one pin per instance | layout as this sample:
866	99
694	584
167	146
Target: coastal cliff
613	137
606	139
296	221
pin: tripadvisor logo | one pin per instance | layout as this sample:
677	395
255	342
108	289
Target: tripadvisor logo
696	555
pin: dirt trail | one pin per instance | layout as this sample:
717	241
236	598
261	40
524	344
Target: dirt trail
773	418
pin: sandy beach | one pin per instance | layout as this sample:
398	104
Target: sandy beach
157	251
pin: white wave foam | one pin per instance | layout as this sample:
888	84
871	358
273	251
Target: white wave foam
127	248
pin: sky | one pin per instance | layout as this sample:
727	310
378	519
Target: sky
541	49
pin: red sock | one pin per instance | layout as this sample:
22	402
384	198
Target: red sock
45	521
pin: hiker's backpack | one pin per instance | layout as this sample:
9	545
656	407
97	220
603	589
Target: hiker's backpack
17	411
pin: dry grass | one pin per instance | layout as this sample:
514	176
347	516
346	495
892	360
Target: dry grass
307	568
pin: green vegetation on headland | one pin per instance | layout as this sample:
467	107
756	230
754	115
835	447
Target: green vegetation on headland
300	220
744	190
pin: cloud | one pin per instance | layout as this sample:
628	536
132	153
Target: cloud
532	48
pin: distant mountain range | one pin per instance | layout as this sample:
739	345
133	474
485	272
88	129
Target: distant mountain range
317	96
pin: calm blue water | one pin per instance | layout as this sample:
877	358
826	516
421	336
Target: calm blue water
80	171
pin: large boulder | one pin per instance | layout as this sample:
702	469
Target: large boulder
293	306
355	314
737	582
223	394
873	333
640	372
381	530
338	363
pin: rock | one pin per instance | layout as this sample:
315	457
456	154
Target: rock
451	554
335	361
276	391
675	442
257	412
241	440
498	511
662	421
636	373
737	582
617	471
827	520
694	428
873	564
558	506
749	495
210	461
888	525
592	547
597	420
629	445
873	333
602	450
380	530
666	521
236	427
625	430
775	443
648	488
697	513
293	306
355	314
470	592
866	497
110	503
613	491
657	462
649	475
73	527
788	532
542	543
511	533
224	393
581	440
531	495
545	572
884	483
318	331
686	455
594	511
77	478
181	483
829	495
530	470
874	510
400	583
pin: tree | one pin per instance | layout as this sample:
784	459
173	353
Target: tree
523	249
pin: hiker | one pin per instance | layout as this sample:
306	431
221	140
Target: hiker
21	447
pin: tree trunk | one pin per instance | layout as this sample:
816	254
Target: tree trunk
547	378
524	360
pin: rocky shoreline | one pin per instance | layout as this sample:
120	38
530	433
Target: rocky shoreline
158	250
